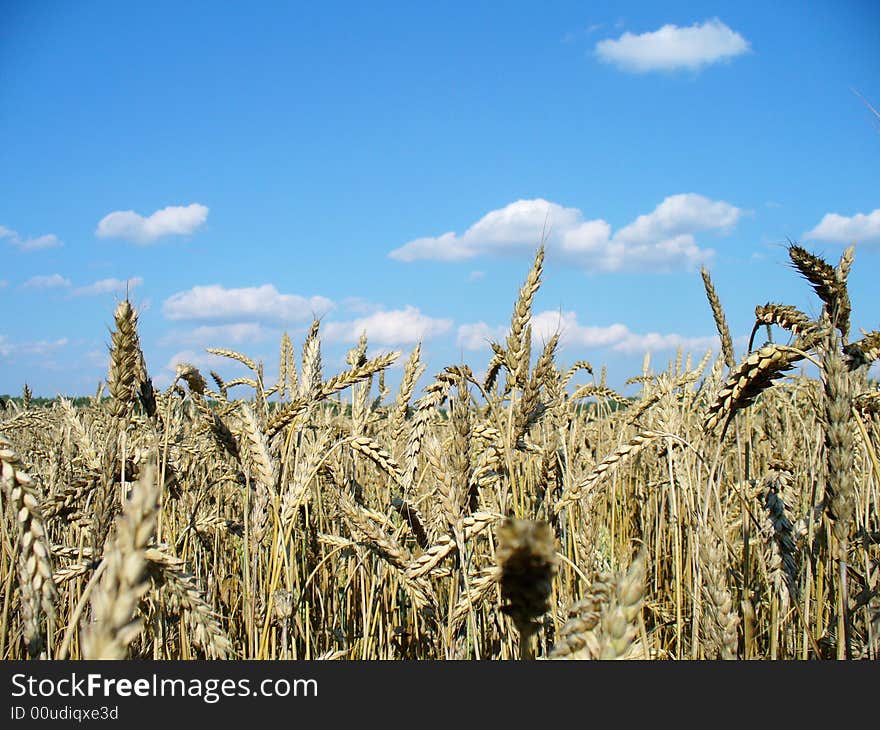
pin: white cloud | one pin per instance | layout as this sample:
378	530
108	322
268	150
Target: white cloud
672	47
615	337
660	240
50	281
476	275
50	240
392	327
258	303
477	335
218	335
860	228
37	347
175	220
108	286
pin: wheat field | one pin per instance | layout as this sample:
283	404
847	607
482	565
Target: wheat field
727	511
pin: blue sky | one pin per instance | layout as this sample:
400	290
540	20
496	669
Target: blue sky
391	167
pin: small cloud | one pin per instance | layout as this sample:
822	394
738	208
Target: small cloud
392	327
673	48
50	240
259	303
662	240
175	220
51	281
859	228
109	286
476	275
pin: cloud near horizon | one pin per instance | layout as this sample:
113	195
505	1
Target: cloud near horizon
32	347
217	335
662	240
388	327
672	48
258	304
836	228
175	220
616	337
108	286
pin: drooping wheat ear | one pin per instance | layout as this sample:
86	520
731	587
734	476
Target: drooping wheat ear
840	487
720	319
598	391
829	287
719	621
785	316
862	352
233	355
192	376
570	373
373	450
125	577
526	557
169	573
310	375
363	371
125	358
781	553
622	452
495	363
38	591
619	626
411	373
517	345
755	374
577	638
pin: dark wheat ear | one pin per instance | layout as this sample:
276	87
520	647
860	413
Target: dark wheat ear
828	283
526	557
